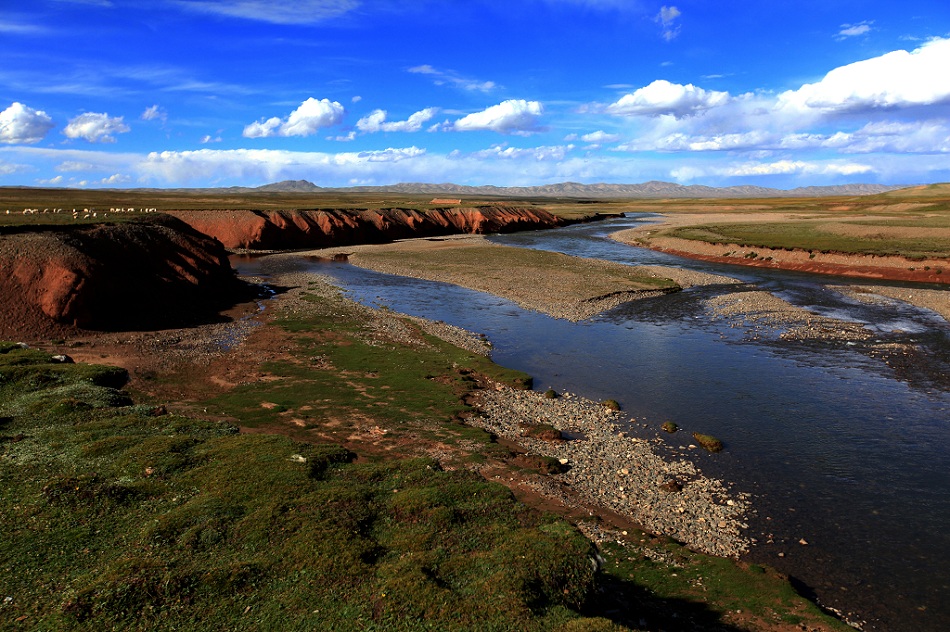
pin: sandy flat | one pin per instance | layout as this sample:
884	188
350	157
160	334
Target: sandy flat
565	287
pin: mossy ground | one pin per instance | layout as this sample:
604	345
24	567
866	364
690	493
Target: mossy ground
117	516
341	376
114	518
670	587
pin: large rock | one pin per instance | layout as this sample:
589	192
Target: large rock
279	230
145	274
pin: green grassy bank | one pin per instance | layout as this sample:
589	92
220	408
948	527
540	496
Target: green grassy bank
117	515
814	236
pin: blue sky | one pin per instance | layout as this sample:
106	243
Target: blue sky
171	93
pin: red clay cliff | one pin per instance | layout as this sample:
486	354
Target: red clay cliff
288	230
144	274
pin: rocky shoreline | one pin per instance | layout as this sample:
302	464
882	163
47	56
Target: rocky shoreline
624	474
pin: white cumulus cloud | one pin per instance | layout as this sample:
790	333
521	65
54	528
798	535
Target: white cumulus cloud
22	124
262	128
894	80
376	121
662	97
900	137
514	116
116	178
306	120
96	127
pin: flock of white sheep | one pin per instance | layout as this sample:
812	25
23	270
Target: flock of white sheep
87	213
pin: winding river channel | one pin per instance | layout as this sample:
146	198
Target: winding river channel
845	450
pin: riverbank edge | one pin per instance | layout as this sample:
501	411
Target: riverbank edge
884	268
569	491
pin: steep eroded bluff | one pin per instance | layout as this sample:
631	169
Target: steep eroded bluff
285	230
144	274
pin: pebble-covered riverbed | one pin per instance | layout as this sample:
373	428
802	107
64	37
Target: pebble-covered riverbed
621	472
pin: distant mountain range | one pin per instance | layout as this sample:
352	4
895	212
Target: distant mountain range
652	189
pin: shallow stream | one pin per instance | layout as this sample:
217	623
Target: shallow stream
843	449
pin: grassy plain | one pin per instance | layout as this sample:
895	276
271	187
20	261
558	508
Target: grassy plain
16	199
115	515
912	223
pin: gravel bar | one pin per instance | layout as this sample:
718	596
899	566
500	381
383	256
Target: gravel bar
623	473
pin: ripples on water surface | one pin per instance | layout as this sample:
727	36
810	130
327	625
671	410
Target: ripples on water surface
842	449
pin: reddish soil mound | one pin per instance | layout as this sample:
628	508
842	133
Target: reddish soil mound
146	274
284	230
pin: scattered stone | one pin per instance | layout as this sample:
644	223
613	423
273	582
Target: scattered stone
709	442
544	432
671	487
594	470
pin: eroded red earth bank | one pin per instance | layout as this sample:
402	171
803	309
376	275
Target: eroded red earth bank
168	269
274	230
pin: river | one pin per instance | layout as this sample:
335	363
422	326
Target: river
847	453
